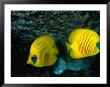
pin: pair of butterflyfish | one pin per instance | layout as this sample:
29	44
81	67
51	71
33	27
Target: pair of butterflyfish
81	43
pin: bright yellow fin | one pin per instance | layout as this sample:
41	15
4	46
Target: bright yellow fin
96	51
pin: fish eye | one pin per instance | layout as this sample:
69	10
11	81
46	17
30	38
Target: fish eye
34	59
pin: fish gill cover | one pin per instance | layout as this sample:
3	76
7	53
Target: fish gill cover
26	26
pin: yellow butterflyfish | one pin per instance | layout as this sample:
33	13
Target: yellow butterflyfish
83	43
43	52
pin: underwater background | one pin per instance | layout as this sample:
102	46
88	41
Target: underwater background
26	26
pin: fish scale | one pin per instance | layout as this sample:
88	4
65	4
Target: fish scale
88	43
85	46
44	51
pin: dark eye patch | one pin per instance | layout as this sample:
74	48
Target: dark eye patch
34	59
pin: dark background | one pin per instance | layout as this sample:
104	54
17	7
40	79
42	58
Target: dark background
26	26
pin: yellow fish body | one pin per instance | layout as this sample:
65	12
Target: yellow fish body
82	43
43	52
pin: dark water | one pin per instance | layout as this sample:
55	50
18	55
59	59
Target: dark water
26	26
